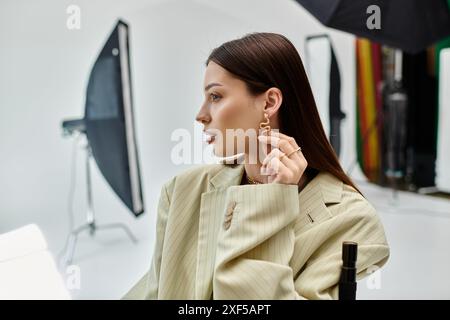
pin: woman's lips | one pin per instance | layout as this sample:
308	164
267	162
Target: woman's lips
210	139
210	135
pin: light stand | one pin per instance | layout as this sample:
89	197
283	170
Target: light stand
90	225
397	109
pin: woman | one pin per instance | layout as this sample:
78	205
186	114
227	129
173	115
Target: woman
266	229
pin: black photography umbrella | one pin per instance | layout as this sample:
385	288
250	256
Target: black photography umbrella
410	25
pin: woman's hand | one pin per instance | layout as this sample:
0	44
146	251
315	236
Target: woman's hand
279	168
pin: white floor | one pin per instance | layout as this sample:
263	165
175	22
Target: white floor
417	227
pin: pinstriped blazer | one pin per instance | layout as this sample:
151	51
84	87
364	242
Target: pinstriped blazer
217	239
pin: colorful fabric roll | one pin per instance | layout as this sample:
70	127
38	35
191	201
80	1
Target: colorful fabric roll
369	106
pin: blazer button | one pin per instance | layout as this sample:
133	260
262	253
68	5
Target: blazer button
230	209
228	218
226	224
229	215
231	206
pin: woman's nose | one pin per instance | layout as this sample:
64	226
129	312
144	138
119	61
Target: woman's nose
203	117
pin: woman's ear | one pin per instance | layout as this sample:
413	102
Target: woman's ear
273	99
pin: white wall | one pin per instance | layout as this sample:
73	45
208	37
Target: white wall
43	75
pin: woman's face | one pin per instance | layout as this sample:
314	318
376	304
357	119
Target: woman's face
228	106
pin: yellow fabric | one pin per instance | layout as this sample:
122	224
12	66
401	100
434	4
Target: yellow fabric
280	244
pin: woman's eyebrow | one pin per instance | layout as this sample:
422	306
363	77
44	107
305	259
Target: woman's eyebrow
212	85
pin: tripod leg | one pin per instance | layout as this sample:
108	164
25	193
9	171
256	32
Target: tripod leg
71	244
71	251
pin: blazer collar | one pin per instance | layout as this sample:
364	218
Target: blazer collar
228	175
326	184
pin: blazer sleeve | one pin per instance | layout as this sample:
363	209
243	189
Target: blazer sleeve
254	254
353	219
147	286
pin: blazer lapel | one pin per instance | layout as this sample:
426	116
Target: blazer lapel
212	210
323	190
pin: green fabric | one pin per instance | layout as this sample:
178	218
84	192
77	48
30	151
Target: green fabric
445	43
358	135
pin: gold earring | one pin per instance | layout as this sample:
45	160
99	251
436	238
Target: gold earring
265	126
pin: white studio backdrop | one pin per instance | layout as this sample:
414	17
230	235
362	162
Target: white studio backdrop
44	68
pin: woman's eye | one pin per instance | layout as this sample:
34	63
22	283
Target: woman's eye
214	97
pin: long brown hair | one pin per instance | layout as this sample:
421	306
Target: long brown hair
266	60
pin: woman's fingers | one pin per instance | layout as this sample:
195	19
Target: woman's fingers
284	145
283	174
277	142
274	153
280	167
296	155
277	153
285	137
275	167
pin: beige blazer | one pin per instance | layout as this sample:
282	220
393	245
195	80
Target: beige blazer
217	239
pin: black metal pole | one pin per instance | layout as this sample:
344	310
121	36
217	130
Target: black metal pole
347	282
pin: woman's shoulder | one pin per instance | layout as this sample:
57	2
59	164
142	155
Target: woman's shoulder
351	197
348	211
355	212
